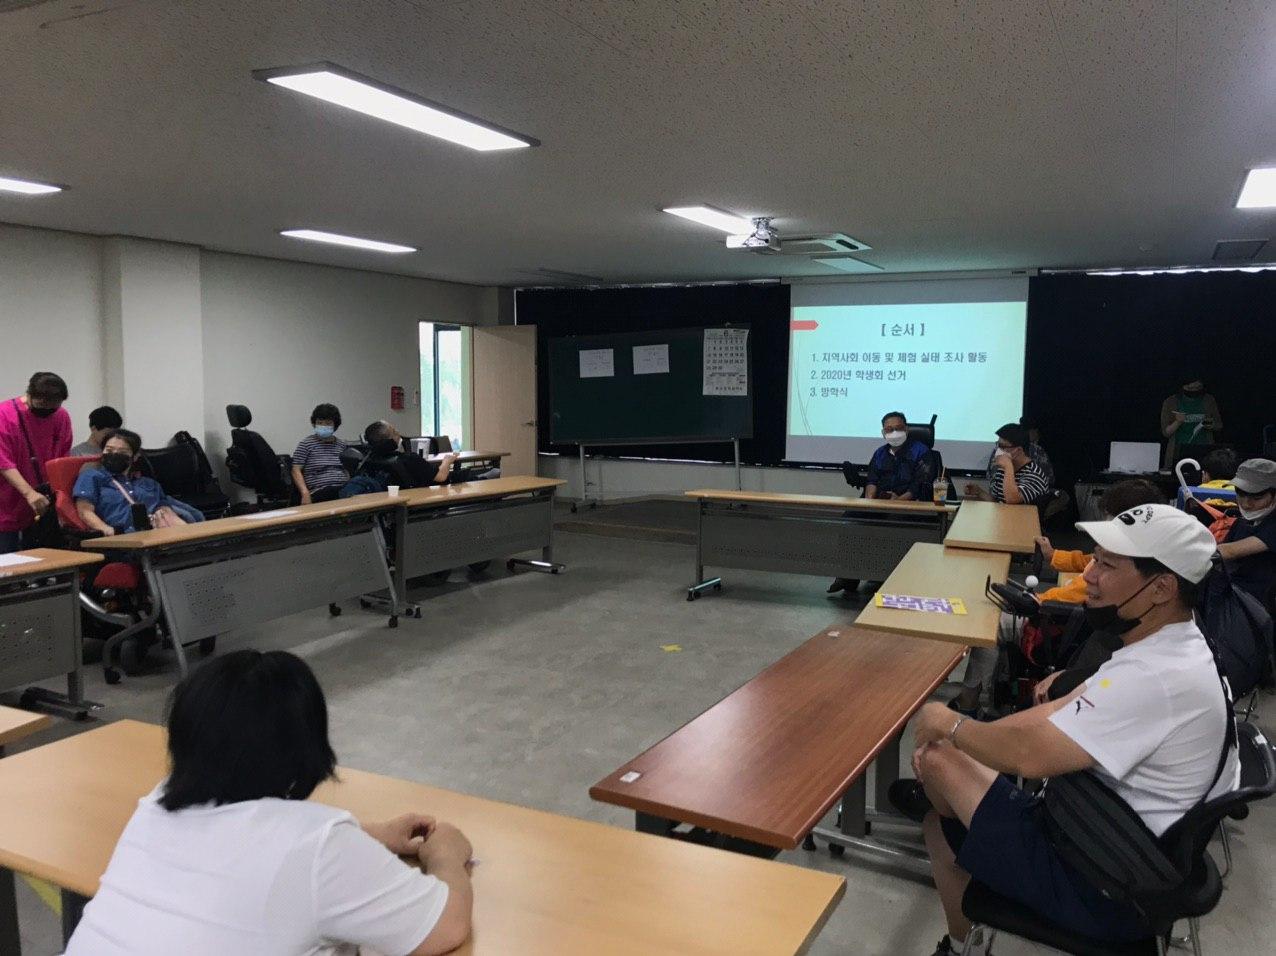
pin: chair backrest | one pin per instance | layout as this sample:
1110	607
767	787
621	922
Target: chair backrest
176	468
1184	842
250	459
62	473
923	432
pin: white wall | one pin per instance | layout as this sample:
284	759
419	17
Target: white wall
281	337
171	334
154	336
51	315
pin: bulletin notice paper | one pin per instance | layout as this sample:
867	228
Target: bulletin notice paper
597	363
651	359
726	362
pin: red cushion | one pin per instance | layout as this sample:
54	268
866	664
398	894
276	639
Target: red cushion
120	576
62	473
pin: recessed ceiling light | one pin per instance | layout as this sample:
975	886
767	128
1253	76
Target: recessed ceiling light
708	216
26	187
335	84
315	235
1259	190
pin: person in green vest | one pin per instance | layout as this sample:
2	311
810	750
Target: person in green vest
1190	420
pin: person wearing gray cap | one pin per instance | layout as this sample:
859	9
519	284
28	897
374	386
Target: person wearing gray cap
1250	545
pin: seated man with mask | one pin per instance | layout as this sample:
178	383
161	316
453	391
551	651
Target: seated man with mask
898	471
1250	546
388	462
1152	724
105	494
1017	479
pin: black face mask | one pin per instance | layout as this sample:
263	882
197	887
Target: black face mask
41	412
1106	619
383	447
116	462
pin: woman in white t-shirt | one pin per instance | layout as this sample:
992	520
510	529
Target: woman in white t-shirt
228	856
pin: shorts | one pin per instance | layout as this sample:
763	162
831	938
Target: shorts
1007	849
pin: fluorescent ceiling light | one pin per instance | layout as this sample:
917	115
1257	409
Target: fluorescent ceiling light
1178	270
315	235
708	216
340	86
27	188
1259	190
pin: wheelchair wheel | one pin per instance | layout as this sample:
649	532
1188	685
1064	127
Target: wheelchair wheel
133	653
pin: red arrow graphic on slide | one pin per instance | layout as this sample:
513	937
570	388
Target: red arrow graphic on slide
803	325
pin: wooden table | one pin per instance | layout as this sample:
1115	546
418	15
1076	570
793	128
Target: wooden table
986	526
18	724
831	536
450	526
471	460
216	576
936	571
762	766
40	623
546	883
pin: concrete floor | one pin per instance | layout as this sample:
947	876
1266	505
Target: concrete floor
529	688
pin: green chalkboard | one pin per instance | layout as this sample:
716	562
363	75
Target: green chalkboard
628	408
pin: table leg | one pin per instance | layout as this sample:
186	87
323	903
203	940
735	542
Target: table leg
853	815
72	909
701	584
155	582
887	772
10	940
75	677
400	556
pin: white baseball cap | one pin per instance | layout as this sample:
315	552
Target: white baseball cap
1175	538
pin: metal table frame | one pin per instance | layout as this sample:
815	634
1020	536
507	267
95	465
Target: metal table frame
805	539
40	637
197	585
430	537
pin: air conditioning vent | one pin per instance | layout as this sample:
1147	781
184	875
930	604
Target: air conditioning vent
832	244
1231	250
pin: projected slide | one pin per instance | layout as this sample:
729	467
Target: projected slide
850	364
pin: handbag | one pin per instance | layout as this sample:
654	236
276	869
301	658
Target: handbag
44	532
1098	834
162	517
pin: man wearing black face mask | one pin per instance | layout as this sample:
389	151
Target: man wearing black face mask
388	461
1151	724
34	429
105	495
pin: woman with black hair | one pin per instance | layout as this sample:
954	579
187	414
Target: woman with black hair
316	464
227	855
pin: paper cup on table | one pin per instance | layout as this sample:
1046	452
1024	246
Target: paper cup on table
393	491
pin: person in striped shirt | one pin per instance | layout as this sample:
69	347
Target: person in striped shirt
1016	479
316	464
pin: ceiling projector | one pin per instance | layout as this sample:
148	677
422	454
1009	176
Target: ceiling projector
763	236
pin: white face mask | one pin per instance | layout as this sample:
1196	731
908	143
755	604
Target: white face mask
1257	514
895	439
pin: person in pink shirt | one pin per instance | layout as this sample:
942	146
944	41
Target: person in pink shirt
34	429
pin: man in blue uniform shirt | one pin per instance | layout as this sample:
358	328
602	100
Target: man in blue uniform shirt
899	471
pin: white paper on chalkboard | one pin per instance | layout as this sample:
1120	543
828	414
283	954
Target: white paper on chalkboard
651	359
726	362
597	363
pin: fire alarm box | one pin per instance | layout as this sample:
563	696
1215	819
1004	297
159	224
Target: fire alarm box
396	398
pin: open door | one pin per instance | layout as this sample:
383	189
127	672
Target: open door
504	369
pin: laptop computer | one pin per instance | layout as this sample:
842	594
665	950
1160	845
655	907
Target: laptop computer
1134	457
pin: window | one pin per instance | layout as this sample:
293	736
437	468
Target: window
442	382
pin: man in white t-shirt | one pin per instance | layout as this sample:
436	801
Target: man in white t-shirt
1152	723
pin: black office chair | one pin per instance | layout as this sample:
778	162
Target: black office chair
253	463
1185	845
183	471
924	432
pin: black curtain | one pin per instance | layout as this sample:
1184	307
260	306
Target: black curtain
763	308
1105	351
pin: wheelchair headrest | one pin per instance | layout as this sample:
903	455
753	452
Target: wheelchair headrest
239	416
